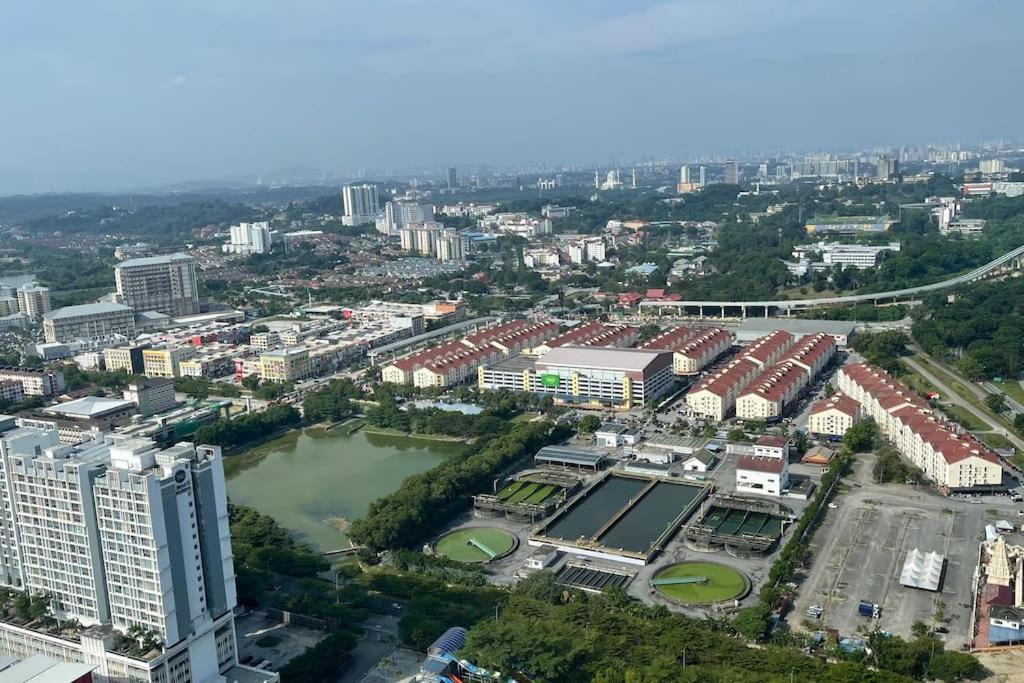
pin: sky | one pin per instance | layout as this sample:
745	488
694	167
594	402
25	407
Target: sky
105	95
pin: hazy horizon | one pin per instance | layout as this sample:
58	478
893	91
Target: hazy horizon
108	96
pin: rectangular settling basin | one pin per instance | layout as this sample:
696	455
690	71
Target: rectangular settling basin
592	512
646	521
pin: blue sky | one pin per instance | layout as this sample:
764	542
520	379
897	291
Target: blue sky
109	95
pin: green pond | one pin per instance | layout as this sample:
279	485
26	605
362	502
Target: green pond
315	482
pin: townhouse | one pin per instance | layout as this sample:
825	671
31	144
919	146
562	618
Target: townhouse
953	460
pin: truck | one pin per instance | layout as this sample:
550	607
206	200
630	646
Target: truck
868	609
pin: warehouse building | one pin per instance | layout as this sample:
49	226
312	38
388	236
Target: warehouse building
585	376
754	328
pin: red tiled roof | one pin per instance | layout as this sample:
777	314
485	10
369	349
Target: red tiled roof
486	336
772	441
838	401
726	378
670	340
810	349
767	346
914	415
760	463
694	347
776	381
575	334
611	336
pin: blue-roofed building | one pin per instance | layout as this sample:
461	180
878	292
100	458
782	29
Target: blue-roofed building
644	269
1004	625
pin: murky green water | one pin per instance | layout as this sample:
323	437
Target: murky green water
315	482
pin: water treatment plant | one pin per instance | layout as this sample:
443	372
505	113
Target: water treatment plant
621	517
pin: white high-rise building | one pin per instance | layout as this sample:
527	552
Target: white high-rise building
992	166
249	238
361	204
701	175
587	249
120	534
684	175
33	301
451	247
397	214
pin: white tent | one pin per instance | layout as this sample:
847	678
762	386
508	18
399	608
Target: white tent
922	570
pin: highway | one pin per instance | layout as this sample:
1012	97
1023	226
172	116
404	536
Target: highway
797	304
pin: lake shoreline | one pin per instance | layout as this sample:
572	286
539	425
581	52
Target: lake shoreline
385	431
312	479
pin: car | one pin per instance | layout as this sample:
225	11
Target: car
832	506
940	629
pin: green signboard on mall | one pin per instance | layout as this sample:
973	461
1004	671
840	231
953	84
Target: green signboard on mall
550	381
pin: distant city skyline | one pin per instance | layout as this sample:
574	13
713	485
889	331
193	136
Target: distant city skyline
114	96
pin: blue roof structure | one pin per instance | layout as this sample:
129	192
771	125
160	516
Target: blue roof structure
451	640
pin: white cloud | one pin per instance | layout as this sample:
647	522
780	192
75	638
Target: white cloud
174	82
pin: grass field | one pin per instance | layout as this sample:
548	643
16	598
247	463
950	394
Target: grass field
993	440
966	419
1013	389
456	545
723	583
916	382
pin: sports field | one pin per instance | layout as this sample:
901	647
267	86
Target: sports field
723	583
459	545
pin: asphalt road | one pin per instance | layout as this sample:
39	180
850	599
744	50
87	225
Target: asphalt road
956	399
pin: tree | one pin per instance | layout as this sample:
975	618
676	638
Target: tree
970	367
1018	422
588	424
996	403
860	438
752	622
737	435
829	390
800	442
920	629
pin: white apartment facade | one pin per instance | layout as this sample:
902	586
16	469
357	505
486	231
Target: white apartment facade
90	323
833	416
249	238
360	204
33	301
121	534
951	459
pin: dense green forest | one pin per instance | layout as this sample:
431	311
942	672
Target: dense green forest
551	634
248	428
980	329
155	222
426	502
